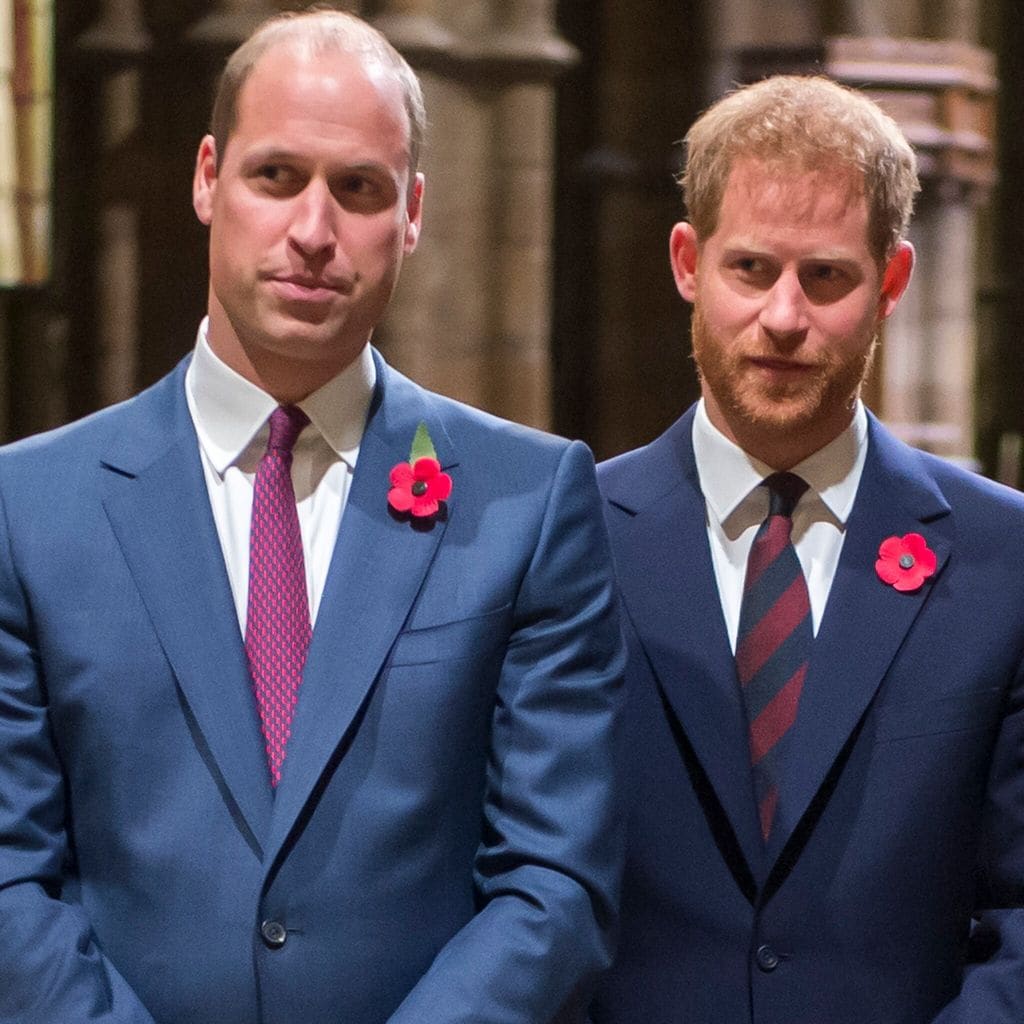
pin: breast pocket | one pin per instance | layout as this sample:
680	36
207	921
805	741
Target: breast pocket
954	713
474	638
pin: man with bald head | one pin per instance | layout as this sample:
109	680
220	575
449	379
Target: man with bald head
308	677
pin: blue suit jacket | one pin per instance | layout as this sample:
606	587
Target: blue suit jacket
443	845
903	806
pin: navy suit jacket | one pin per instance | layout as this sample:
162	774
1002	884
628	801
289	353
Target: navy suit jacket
891	889
443	845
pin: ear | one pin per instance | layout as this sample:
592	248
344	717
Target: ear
413	215
683	254
895	278
204	181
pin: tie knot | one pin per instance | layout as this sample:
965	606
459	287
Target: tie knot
784	491
286	423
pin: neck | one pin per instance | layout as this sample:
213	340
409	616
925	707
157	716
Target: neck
274	366
779	446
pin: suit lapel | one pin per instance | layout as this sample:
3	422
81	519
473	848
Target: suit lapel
668	584
155	498
377	569
865	620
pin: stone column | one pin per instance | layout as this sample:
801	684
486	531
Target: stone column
942	94
438	327
413	28
779	33
113	48
430	328
230	22
32	81
520	175
472	315
646	96
878	19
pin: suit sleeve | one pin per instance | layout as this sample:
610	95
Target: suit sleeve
547	871
50	967
993	983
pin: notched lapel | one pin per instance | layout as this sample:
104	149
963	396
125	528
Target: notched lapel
155	499
865	621
377	569
668	583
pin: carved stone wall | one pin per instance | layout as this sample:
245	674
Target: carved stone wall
472	313
942	92
541	169
923	61
621	339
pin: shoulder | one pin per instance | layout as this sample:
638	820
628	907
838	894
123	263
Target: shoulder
638	477
478	439
970	495
511	485
966	487
146	422
988	516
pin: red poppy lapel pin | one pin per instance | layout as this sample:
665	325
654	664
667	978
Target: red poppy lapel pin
905	562
418	487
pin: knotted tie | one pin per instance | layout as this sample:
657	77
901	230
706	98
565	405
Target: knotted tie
277	628
773	645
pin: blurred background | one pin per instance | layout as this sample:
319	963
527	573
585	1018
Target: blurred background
541	289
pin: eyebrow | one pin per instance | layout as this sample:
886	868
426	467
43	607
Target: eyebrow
824	256
276	154
268	155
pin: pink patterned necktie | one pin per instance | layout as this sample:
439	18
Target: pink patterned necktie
277	628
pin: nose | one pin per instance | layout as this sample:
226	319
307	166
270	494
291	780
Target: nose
313	230
784	313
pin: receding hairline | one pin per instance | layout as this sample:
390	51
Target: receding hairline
316	33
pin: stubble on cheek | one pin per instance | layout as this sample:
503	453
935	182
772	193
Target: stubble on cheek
745	395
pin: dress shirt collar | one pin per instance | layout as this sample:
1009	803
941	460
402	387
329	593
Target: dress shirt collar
728	475
229	411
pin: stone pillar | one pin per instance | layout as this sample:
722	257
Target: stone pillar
778	33
941	92
961	19
437	329
471	317
521	175
412	27
28	368
433	328
113	48
230	22
878	19
942	95
624	373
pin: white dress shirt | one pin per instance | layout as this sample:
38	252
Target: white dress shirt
230	416
736	506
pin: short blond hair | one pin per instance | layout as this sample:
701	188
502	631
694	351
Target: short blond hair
323	31
806	122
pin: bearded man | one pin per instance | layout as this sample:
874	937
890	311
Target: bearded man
826	627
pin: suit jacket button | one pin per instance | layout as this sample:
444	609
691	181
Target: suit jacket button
766	957
274	934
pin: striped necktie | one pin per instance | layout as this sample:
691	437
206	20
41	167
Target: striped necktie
773	645
277	627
